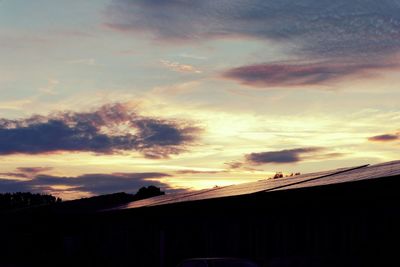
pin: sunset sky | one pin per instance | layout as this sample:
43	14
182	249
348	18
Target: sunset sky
103	96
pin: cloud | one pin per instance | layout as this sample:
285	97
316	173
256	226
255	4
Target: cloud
10	186
287	155
15	174
91	183
238	165
346	38
26	172
34	170
318	27
50	87
178	67
234	164
83	61
284	74
110	129
385	137
20	104
197	172
192	56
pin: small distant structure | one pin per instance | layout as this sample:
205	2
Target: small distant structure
280	175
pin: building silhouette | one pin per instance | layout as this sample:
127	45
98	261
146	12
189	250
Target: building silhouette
343	217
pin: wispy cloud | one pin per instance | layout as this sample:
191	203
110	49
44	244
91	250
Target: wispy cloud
188	171
26	172
14	175
239	165
284	74
176	89
110	129
50	88
234	164
34	170
179	67
83	61
20	104
192	56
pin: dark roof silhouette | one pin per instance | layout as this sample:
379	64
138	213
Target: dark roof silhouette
324	178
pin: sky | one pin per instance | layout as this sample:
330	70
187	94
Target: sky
104	96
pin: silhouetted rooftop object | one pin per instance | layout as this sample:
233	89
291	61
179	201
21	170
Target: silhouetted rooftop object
324	178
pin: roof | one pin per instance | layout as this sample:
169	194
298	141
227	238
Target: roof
324	178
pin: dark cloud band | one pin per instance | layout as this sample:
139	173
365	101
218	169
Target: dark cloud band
282	156
272	75
288	155
90	183
110	129
318	27
385	138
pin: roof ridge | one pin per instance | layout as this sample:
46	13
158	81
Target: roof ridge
315	178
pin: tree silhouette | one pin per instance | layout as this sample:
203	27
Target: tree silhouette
9	201
147	192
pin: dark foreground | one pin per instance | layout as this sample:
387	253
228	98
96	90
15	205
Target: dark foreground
345	224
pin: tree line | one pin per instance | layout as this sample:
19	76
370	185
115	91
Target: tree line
12	201
9	201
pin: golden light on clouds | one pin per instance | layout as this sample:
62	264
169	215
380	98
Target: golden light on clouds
188	99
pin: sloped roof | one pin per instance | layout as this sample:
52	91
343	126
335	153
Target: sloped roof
323	178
